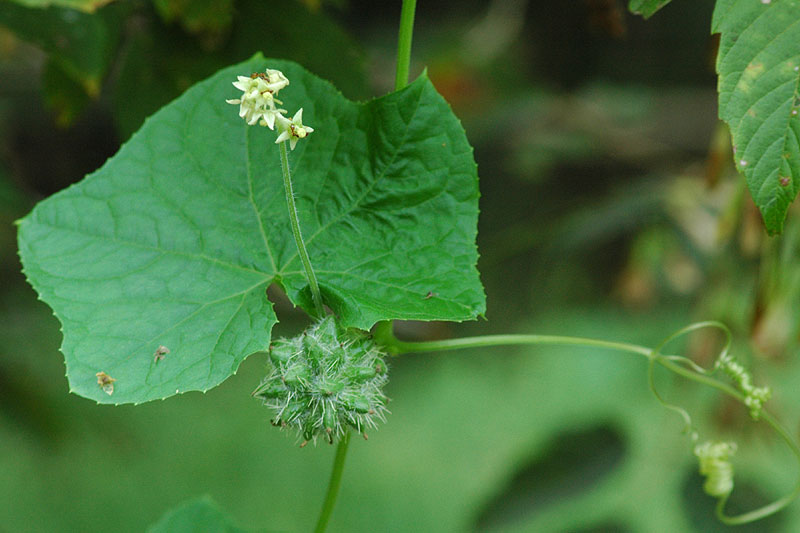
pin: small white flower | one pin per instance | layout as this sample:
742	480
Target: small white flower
292	130
268	118
276	79
257	103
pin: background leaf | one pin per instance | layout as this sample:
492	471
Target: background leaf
82	5
195	516
197	16
82	45
174	241
168	46
63	94
148	77
759	72
646	8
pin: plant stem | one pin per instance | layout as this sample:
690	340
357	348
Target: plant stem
404	43
333	484
298	237
395	346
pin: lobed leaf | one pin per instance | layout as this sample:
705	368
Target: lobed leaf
172	243
759	72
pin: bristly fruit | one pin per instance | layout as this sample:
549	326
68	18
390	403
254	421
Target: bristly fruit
324	381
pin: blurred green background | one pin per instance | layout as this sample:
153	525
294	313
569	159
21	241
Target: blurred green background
609	209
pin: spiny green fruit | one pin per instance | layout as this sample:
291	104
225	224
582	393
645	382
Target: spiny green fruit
324	381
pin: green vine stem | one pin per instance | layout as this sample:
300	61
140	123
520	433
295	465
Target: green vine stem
384	335
333	484
404	43
298	237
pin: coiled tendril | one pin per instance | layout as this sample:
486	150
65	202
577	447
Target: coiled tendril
715	464
714	457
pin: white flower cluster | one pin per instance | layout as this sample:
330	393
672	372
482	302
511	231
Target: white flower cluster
257	105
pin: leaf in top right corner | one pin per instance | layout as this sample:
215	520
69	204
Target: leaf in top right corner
759	72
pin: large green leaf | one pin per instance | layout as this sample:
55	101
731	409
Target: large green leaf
759	72
646	8
174	241
196	516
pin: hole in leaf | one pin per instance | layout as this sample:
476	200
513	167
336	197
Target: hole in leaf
572	464
700	507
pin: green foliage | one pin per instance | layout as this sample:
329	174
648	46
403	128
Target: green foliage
63	94
13	204
82	45
172	230
646	8
197	16
161	64
175	44
456	451
88	6
174	241
195	516
759	73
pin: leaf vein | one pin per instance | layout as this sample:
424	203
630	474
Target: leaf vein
154	249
